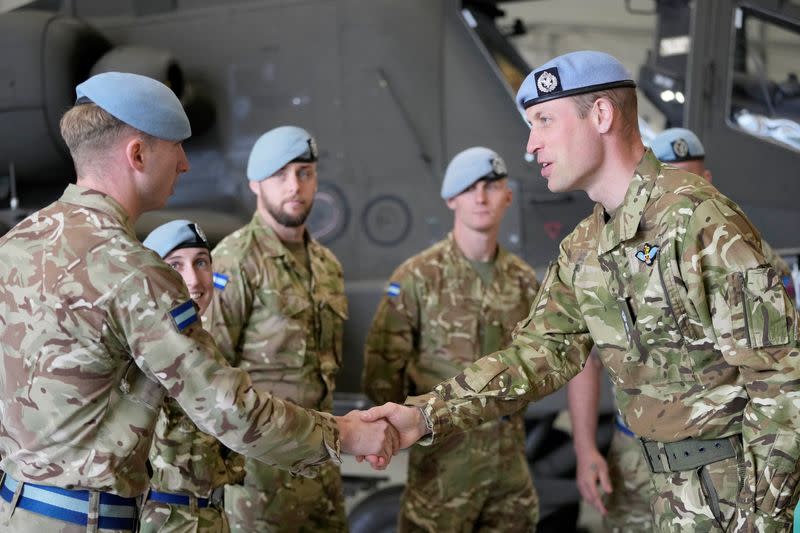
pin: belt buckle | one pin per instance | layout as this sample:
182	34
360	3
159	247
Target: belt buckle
657	465
646	453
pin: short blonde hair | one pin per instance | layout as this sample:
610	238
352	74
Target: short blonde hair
622	98
89	130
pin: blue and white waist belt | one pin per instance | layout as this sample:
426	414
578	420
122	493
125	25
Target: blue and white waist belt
115	512
622	427
175	499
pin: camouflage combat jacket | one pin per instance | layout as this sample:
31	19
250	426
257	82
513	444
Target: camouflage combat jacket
91	322
277	321
698	336
186	460
438	316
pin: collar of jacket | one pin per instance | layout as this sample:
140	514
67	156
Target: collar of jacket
269	242
625	222
455	251
98	201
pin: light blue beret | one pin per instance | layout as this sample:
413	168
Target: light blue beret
570	74
174	235
469	166
677	144
144	103
279	147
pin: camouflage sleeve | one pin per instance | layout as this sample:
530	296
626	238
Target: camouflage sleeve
177	352
230	308
775	260
391	341
549	347
755	328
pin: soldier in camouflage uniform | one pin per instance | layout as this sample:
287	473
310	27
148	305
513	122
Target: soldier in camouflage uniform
279	314
443	309
668	279
627	506
96	329
189	466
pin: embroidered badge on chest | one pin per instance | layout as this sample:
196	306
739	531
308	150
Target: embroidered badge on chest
647	254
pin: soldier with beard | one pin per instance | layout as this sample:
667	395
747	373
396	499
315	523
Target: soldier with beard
278	313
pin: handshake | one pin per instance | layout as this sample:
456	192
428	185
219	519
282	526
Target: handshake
379	433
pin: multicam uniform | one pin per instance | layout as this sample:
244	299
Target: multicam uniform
94	329
283	324
699	338
191	465
438	317
628	504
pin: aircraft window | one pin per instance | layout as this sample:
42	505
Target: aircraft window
765	91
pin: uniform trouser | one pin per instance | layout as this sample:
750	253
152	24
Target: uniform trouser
715	497
474	481
19	520
628	504
273	500
170	518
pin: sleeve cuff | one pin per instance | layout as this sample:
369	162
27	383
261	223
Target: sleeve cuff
435	410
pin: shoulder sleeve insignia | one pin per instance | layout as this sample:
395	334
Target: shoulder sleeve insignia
393	289
647	254
220	280
184	315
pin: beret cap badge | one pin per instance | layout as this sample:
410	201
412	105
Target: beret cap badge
547	81
499	167
681	148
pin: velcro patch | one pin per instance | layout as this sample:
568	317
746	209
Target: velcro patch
184	315
393	289
220	280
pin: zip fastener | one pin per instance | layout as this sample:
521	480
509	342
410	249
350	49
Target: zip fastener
669	301
745	312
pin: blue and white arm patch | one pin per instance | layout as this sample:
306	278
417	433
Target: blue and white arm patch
393	289
184	315
220	280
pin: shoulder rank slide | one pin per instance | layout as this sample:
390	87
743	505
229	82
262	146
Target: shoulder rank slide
220	280
184	315
393	289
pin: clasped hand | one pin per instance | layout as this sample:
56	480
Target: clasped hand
376	435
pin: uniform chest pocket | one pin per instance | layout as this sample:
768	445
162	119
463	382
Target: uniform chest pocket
450	330
662	325
650	314
277	329
332	316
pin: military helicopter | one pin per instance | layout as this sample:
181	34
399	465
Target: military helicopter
391	90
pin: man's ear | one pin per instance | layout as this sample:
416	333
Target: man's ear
603	114
451	203
135	153
253	186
